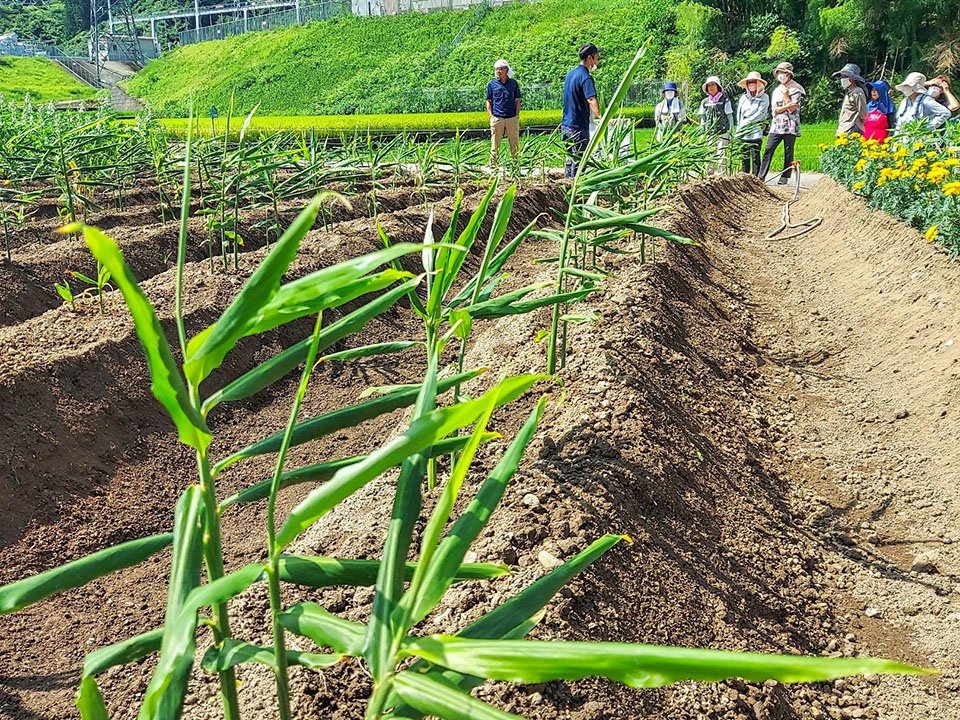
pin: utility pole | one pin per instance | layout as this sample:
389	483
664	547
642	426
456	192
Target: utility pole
110	15
196	16
297	6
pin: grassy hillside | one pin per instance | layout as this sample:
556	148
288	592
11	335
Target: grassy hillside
41	79
382	65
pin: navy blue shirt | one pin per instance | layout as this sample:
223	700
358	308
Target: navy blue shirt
578	87
504	97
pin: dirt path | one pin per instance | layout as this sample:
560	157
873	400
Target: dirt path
860	319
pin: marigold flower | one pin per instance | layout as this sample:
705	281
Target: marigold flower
931	233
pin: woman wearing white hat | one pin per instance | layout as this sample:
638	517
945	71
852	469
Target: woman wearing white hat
917	105
753	109
716	119
785	125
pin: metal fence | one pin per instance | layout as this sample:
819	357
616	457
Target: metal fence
308	12
80	67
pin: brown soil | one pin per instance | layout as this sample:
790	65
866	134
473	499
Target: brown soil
720	412
42	255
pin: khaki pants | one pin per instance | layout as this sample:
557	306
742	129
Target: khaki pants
504	126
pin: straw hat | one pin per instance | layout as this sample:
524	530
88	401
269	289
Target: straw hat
913	83
712	79
754	75
784	67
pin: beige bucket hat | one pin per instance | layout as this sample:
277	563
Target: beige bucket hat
784	67
754	75
712	79
913	83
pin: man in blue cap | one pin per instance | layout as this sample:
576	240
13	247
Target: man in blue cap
579	101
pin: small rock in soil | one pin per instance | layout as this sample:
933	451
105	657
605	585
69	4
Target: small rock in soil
925	562
531	500
548	560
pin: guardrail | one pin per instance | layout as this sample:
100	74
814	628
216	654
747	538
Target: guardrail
309	12
76	66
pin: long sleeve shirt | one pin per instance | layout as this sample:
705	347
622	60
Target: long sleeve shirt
922	106
667	114
752	110
853	111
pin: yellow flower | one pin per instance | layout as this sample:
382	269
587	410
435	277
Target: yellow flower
858	185
823	146
861	165
951	162
931	154
918	146
951	188
938	175
931	233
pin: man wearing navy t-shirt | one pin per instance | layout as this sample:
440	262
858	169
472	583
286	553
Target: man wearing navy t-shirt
579	101
503	107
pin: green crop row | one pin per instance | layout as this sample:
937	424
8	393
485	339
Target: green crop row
333	125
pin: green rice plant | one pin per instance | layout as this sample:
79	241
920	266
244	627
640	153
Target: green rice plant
421	123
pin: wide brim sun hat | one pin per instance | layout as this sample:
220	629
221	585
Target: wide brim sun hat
712	79
852	71
754	75
784	67
913	83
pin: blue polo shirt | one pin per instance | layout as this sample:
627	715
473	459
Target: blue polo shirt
504	97
578	87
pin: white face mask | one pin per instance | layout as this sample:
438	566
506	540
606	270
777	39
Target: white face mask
782	77
669	94
934	91
845	83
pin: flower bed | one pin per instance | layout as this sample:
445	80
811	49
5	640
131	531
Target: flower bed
914	179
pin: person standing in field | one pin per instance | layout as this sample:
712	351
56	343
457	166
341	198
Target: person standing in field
579	105
753	110
716	119
785	124
853	110
881	112
670	111
503	108
917	105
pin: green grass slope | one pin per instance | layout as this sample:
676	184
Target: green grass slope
382	65
41	79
